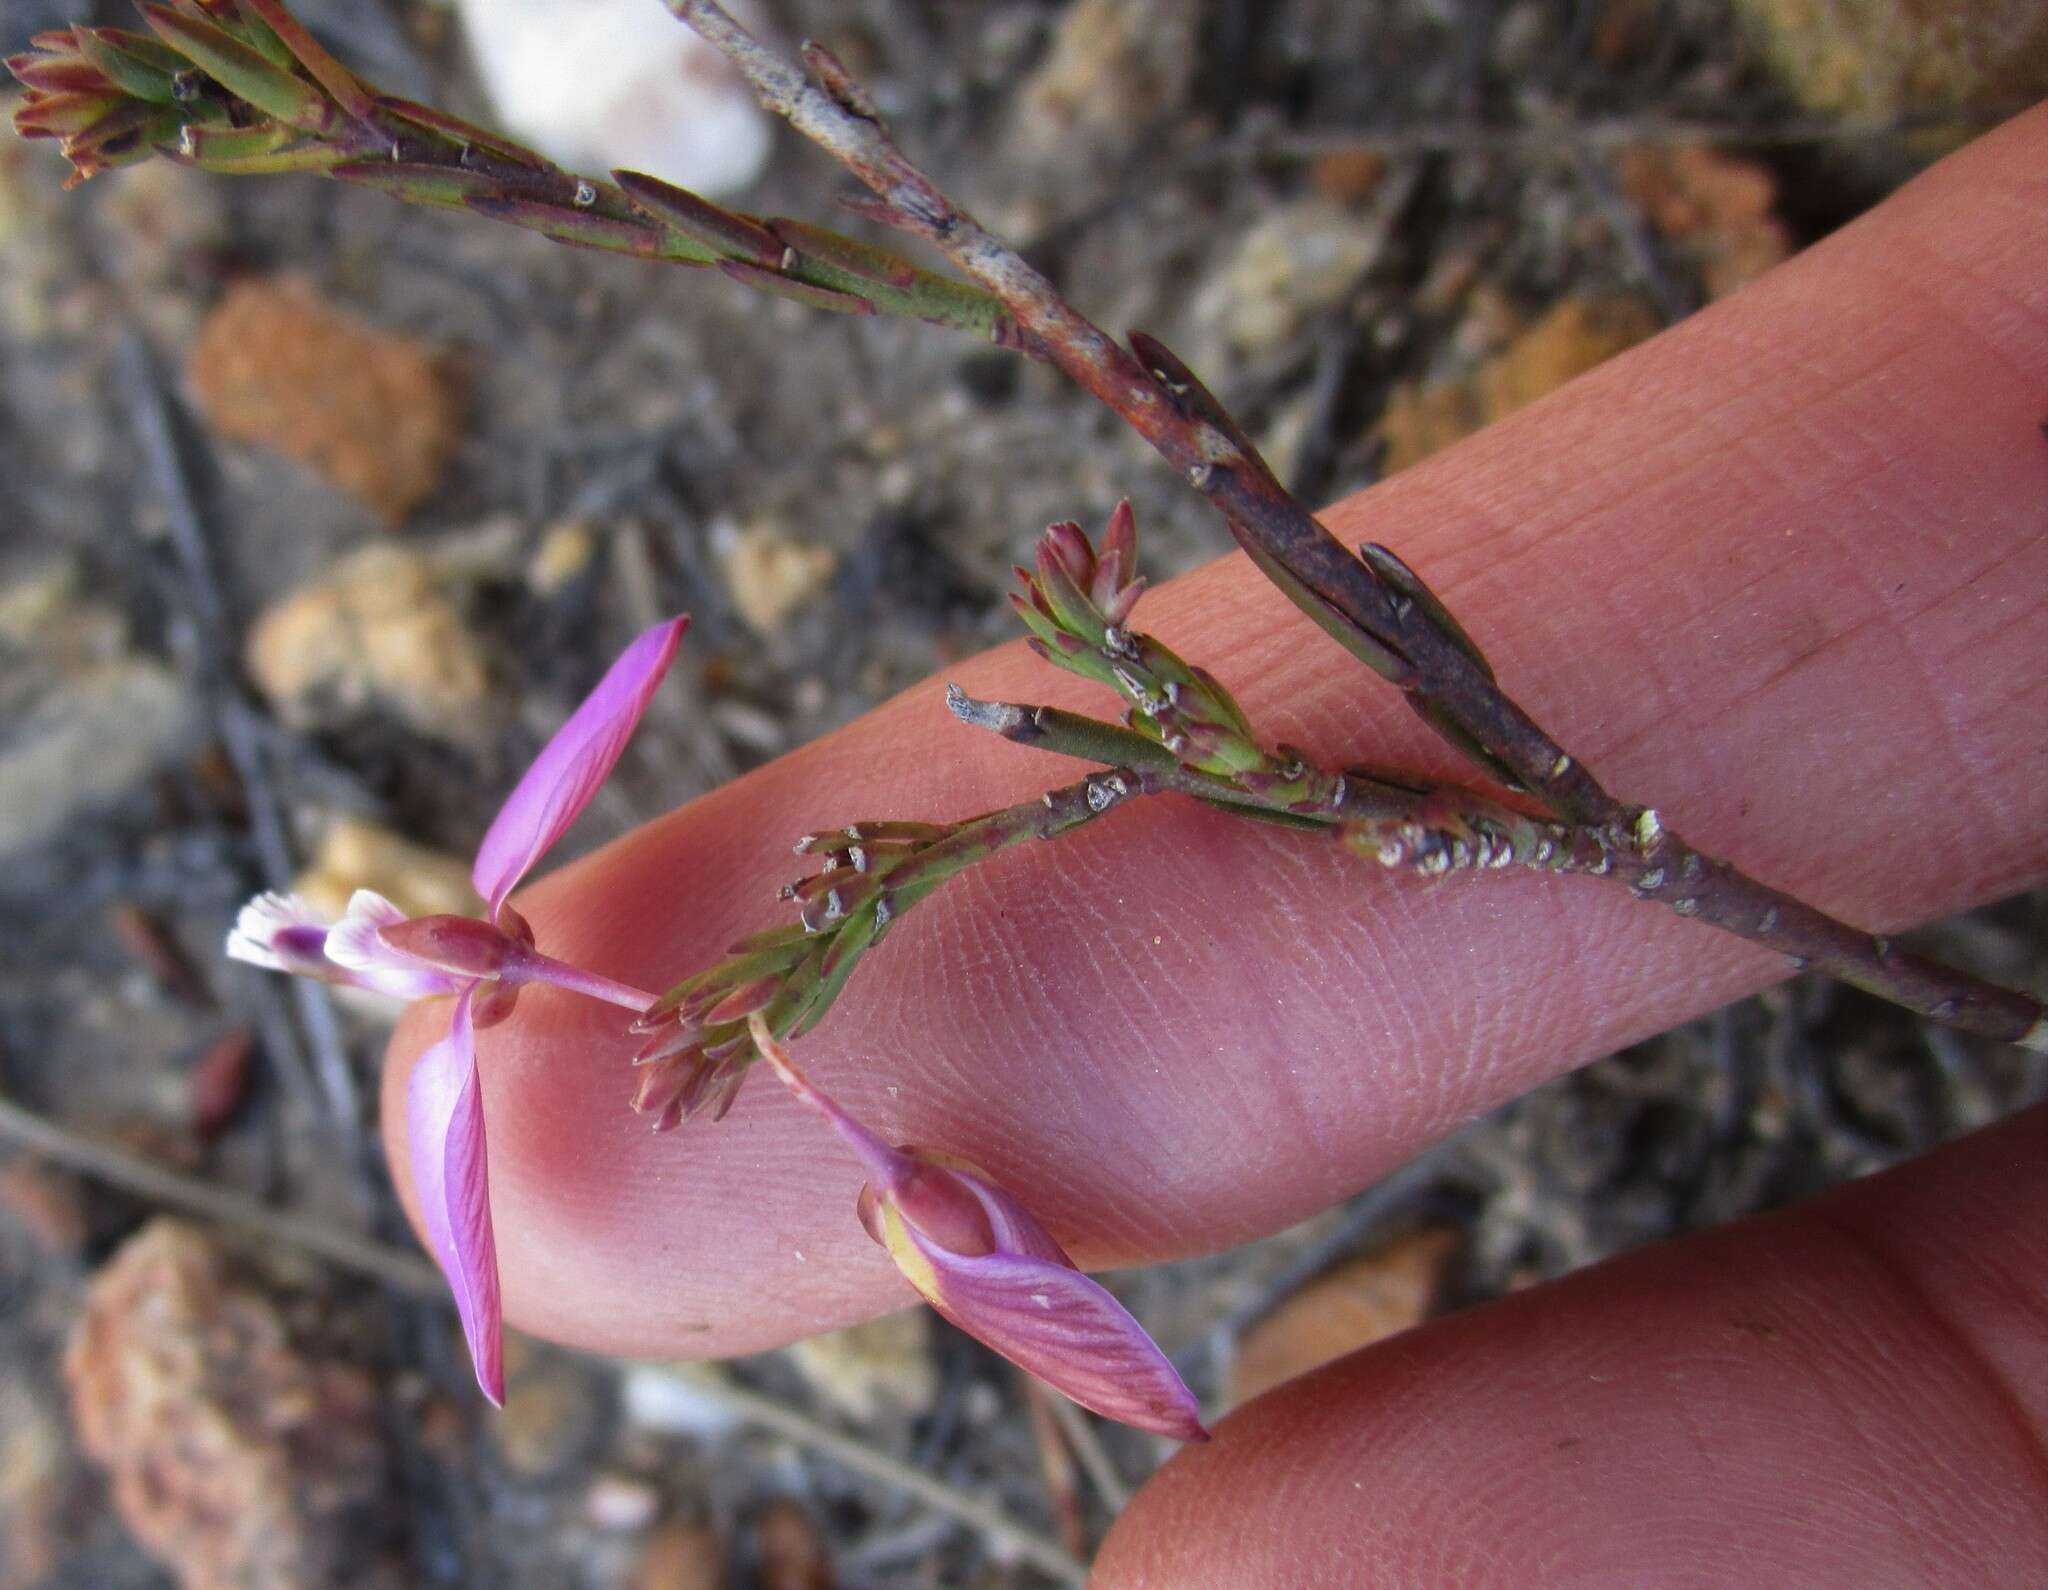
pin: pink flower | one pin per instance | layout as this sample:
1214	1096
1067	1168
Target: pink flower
984	1262
484	963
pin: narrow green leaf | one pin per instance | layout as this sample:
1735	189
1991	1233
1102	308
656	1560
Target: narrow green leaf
149	74
723	234
1408	583
577	228
268	150
777	285
464	135
299	45
241	70
416	184
1381	659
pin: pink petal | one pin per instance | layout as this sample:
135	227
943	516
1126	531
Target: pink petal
1067	1330
444	1118
357	947
1016	1228
570	766
284	934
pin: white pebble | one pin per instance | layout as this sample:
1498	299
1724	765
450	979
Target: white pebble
610	84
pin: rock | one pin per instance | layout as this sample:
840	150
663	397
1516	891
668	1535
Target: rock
238	1458
1347	176
1303	258
1573	336
565	552
793	1554
36	1475
1354	1306
354	854
378	629
621	1503
882	1365
376	414
1115	68
618	83
677	1399
770	576
681	1557
1887	59
1715	207
82	718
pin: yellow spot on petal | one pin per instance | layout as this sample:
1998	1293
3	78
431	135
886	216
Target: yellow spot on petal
916	1268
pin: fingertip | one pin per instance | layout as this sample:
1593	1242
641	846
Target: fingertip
1851	1392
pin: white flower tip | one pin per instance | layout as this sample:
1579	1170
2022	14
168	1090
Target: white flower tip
259	925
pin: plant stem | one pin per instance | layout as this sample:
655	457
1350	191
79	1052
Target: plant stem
1392	621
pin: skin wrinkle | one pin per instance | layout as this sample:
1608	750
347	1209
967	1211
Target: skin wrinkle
1873	1252
1937	688
2024	366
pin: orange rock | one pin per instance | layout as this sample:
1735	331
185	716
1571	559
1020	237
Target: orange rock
1350	176
793	1553
681	1557
1354	1306
1719	208
374	413
1573	336
237	1458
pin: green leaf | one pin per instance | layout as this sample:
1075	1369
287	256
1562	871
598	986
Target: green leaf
577	228
241	70
121	58
416	184
719	234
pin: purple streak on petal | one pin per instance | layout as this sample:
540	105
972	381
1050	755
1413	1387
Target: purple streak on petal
281	933
444	1118
1016	1228
570	766
1068	1331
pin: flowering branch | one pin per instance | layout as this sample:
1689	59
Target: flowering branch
1371	602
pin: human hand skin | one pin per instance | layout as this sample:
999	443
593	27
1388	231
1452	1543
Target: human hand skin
1783	573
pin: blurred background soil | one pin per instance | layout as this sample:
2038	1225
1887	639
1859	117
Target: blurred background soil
317	512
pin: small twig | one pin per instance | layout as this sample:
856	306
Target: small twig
1604	133
1638	250
995	1524
1055	1464
1079	1430
155	426
1372	603
149	1180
